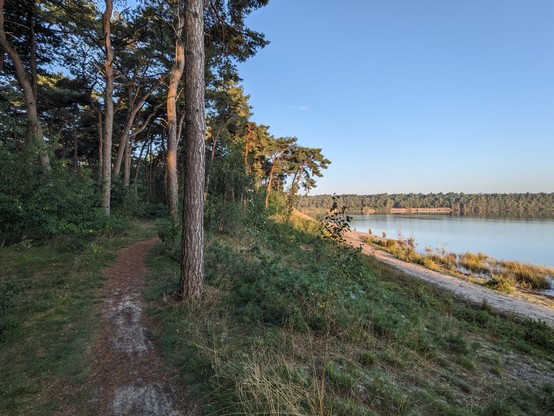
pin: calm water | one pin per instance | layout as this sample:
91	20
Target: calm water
528	240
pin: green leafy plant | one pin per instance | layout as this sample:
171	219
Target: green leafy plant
336	222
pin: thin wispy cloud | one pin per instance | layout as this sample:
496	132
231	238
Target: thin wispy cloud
299	107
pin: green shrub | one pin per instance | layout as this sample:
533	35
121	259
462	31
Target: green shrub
169	232
36	205
540	334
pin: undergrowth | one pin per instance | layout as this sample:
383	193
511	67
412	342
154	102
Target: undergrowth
47	319
296	325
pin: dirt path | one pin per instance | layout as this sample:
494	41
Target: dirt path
127	371
535	307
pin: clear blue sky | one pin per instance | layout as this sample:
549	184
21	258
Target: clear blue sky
412	95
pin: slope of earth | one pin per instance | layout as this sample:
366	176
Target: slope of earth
502	303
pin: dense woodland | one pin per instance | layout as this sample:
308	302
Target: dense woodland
112	116
93	120
459	203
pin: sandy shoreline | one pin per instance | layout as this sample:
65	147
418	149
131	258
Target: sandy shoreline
521	304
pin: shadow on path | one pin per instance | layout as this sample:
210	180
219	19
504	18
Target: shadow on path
128	372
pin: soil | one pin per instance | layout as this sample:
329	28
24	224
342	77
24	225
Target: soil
524	305
128	374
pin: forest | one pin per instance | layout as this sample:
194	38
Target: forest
458	203
92	118
152	260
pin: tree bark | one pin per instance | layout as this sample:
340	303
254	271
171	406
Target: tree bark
135	107
212	157
108	116
100	127
172	122
137	167
246	147
127	164
29	95
75	147
269	184
192	266
33	40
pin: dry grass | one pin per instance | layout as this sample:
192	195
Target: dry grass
503	275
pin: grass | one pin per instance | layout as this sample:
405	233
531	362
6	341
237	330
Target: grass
502	275
294	325
48	317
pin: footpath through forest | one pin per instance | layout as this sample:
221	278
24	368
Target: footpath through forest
128	376
517	304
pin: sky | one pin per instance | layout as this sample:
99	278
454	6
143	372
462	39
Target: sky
411	95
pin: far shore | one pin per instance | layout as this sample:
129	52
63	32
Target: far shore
367	211
548	213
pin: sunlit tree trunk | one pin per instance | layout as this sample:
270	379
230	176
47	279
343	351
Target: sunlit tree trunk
192	269
108	115
172	122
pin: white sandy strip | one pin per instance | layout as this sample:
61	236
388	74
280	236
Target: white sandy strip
502	303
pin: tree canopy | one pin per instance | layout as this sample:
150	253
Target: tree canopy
75	74
460	203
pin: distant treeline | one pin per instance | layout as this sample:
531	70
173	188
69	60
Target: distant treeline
458	203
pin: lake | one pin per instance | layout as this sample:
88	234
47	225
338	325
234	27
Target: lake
527	240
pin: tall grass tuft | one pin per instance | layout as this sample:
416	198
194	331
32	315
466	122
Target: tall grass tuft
502	275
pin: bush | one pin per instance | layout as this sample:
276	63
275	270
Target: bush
222	216
169	232
37	206
540	334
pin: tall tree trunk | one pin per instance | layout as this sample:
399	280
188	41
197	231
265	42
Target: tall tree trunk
164	157
100	127
29	95
33	41
192	268
148	172
294	188
135	107
137	167
123	142
127	165
75	147
108	116
173	139
269	184
212	157
246	147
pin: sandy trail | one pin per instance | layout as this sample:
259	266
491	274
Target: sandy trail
127	372
535	307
